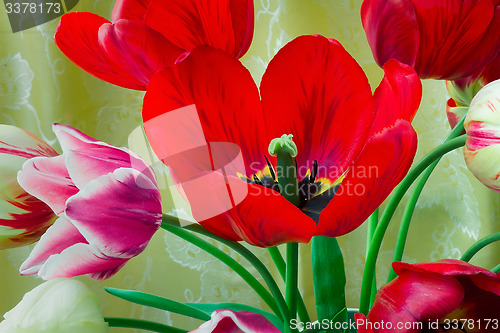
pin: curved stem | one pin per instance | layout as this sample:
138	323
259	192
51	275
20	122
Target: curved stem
249	256
477	246
496	269
281	266
142	325
414	172
226	259
412	201
372	225
292	274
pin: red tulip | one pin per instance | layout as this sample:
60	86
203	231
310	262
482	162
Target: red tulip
146	35
440	39
312	89
447	295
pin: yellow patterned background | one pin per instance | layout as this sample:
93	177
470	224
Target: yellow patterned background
39	86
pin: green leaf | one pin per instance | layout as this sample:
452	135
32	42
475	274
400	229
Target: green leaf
329	279
211	307
142	324
158	302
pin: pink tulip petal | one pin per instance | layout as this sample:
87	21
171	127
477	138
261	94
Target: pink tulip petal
59	236
80	259
88	159
18	142
47	179
117	213
228	321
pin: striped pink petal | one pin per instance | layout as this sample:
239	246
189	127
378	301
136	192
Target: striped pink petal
47	179
117	213
228	321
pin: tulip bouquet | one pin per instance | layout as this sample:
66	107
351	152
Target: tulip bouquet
309	155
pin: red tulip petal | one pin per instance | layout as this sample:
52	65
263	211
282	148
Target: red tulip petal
492	71
398	95
322	97
456	37
363	324
117	213
135	51
450	267
227	107
61	235
47	179
223	24
264	218
382	164
133	10
77	260
77	37
488	283
415	297
391	29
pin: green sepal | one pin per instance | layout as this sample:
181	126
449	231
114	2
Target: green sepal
158	302
329	280
208	308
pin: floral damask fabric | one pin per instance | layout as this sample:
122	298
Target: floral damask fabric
40	86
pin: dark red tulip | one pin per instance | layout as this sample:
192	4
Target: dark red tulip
444	296
440	39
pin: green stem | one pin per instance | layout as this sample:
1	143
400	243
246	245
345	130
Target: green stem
281	266
226	259
378	236
412	201
477	246
496	269
250	257
372	225
142	325
292	271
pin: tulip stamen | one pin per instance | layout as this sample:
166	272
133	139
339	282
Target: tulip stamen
271	169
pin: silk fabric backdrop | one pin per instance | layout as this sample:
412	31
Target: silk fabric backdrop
40	86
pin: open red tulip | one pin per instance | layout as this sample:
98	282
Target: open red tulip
312	89
144	36
440	39
447	295
107	201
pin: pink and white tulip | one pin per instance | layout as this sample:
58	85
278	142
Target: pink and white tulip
108	204
225	321
23	218
482	124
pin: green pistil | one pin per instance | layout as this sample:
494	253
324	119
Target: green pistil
285	150
283	144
